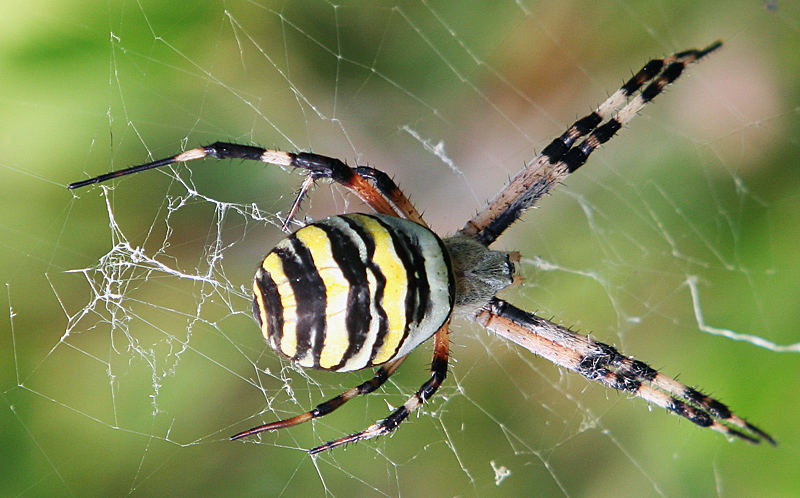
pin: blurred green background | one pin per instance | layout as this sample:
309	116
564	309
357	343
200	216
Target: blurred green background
138	392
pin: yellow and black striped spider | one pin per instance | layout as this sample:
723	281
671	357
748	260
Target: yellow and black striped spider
360	290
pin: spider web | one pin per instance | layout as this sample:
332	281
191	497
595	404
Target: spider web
131	352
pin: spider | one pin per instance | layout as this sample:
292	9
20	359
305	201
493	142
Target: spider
360	290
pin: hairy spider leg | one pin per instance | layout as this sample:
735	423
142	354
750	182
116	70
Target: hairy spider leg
559	158
372	186
602	363
441	353
380	377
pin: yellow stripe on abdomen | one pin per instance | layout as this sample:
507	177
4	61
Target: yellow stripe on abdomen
394	294
337	289
288	340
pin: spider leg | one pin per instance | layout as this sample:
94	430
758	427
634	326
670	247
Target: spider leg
603	363
380	377
304	188
372	186
559	158
391	191
441	352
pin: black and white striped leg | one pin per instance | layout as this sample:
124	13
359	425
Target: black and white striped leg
380	377
372	186
441	353
603	363
559	158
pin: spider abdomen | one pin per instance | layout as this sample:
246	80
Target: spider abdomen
352	291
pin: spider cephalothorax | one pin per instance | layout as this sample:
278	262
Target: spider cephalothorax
360	290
